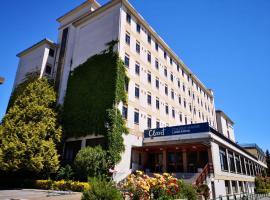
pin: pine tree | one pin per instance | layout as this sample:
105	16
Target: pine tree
30	130
267	156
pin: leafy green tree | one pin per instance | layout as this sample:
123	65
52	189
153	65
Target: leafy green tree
30	130
267	156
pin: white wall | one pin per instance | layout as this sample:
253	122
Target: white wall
88	39
33	61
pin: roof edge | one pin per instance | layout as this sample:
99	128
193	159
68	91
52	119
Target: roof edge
43	41
94	2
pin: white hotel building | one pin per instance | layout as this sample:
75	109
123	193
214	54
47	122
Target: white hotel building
188	137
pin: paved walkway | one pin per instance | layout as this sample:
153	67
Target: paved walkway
31	194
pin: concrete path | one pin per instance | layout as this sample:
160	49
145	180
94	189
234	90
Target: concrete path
32	194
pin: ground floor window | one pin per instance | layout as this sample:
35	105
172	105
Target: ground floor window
227	187
71	150
234	187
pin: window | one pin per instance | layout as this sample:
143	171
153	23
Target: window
165	71
227	186
127	60
186	120
248	167
167	109
136	116
171	77
149	77
156	46
149	38
156	64
128	18
157	103
166	89
149	57
173	113
185	103
137	68
127	38
180	117
171	61
183	72
231	161
178	83
237	162
138	28
149	122
149	99
48	69
126	86
179	100
243	165
184	88
137	91
138	47
124	112
157	124
172	94
165	55
223	159
190	108
234	187
178	68
157	82
51	52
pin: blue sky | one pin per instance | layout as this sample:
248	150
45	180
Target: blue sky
226	43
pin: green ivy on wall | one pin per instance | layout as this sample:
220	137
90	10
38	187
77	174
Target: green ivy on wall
94	90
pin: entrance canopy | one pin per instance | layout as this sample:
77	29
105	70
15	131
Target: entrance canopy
177	133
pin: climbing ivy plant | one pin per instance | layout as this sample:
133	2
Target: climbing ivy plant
94	90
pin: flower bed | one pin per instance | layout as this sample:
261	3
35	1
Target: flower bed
75	186
140	186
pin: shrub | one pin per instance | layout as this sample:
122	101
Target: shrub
90	162
187	191
65	173
204	190
75	186
102	189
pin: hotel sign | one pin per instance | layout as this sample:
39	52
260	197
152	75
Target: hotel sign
177	130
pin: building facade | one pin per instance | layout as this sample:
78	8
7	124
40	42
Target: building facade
162	93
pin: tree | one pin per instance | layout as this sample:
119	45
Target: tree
30	130
267	156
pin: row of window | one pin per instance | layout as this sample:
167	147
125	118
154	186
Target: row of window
157	84
182	119
165	56
235	187
192	110
235	163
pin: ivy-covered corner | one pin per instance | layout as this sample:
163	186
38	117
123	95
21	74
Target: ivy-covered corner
95	89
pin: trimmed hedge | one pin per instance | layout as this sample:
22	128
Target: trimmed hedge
75	186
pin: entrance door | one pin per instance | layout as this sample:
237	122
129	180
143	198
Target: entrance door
175	162
155	162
